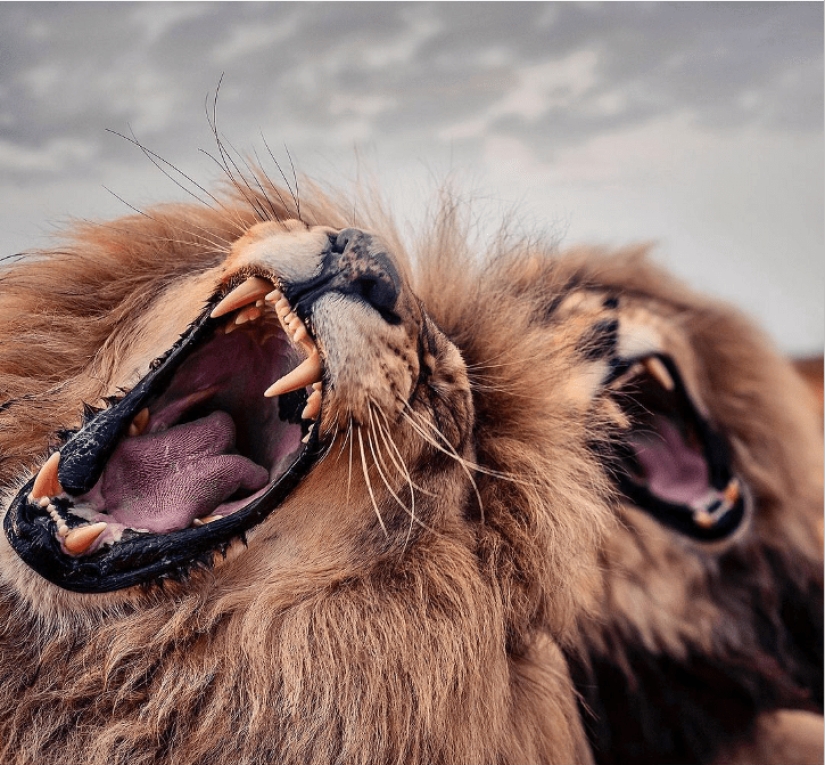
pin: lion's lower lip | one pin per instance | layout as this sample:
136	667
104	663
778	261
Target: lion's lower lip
78	534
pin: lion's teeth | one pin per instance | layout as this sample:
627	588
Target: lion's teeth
307	373
62	527
305	439
274	296
139	423
659	372
301	335
206	519
80	539
248	292
313	406
703	518
250	313
46	483
732	492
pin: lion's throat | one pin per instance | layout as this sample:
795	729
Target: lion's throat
674	471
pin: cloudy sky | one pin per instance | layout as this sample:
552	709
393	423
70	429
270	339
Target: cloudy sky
696	126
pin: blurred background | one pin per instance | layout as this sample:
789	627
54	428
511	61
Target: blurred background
695	126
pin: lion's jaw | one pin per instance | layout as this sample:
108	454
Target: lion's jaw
311	346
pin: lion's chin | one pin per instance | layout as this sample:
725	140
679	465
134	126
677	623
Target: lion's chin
203	448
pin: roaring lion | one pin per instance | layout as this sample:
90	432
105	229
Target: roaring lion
707	645
282	485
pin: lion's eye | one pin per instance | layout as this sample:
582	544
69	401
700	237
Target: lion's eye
671	461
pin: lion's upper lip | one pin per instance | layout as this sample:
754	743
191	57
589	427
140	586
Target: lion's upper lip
202	437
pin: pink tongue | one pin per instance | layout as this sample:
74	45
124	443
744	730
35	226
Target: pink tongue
163	481
674	471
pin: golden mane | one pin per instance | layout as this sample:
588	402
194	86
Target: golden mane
425	599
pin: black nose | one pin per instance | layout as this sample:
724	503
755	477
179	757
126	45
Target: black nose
356	263
359	265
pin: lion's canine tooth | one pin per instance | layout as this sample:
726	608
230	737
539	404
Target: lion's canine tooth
80	539
139	423
307	373
274	296
659	372
732	493
46	483
313	406
250	313
247	292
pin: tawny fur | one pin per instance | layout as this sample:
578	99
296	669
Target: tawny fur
437	644
440	644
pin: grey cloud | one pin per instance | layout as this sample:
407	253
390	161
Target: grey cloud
69	67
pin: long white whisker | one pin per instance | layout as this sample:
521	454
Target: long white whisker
349	474
369	483
409	510
396	457
450	452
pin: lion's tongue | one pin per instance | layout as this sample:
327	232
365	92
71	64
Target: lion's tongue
163	481
674	471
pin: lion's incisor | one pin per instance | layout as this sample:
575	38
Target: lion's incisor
400	556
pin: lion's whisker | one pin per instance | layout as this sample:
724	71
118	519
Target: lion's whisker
369	483
349	438
158	161
380	463
396	456
450	452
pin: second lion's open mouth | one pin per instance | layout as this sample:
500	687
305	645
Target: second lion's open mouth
671	461
203	448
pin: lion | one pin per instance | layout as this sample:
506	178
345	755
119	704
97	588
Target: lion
707	644
282	484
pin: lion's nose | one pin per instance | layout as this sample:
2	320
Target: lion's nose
360	265
354	262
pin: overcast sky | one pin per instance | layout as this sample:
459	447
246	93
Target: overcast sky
697	126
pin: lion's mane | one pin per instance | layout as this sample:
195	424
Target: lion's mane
456	646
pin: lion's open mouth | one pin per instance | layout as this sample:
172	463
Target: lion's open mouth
200	450
671	461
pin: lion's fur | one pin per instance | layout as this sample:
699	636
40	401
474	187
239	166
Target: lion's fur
447	645
692	645
422	656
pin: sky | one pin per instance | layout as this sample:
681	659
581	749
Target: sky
697	127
